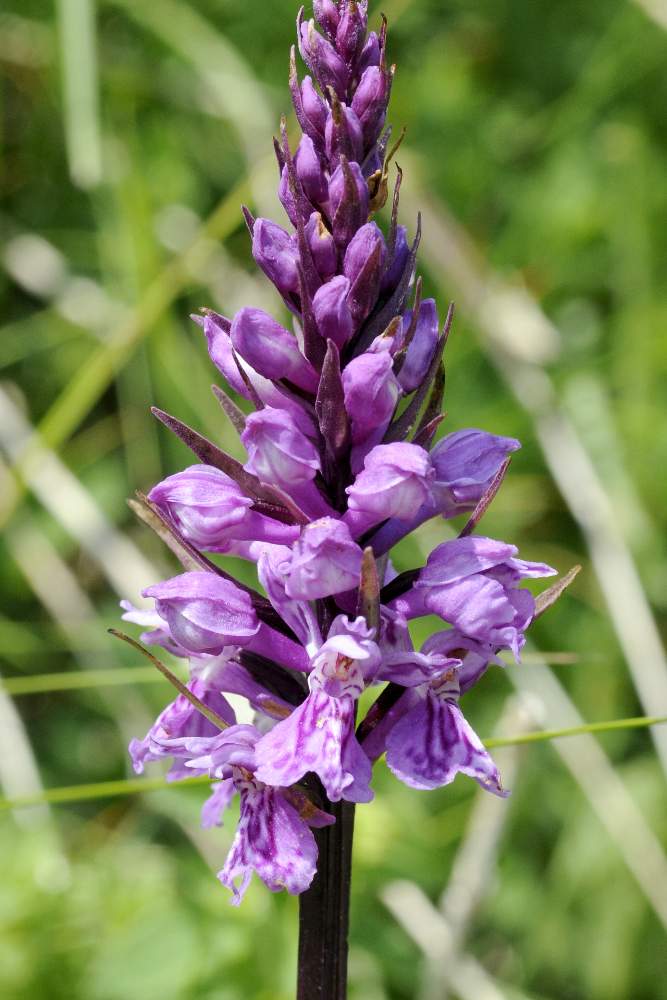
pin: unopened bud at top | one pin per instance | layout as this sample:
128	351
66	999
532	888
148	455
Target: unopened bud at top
327	16
324	62
351	31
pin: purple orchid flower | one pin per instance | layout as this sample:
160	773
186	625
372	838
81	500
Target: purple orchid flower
319	735
433	742
472	583
179	722
210	510
272	838
341	464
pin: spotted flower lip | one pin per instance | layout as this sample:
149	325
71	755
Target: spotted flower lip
336	403
319	735
433	743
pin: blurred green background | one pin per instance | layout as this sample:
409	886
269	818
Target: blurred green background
132	130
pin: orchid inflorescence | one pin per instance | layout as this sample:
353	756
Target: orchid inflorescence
341	466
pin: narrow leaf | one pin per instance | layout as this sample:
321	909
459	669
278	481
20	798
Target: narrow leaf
78	680
196	702
132	786
210	454
249	220
234	413
616	725
188	556
393	229
548	598
486	501
99	790
330	405
425	435
368	603
432	417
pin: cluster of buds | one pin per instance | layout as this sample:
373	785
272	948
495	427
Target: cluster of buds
341	465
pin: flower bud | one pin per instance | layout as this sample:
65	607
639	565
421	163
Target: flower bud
371	54
327	16
348	199
422	345
351	31
203	503
365	261
371	394
271	349
310	171
465	464
221	352
322	247
332	313
344	135
314	109
320	56
278	452
325	561
398	261
210	510
276	253
370	102
396	481
205	612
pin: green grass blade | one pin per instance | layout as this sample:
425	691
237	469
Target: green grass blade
133	786
641	722
100	790
94	377
73	680
78	57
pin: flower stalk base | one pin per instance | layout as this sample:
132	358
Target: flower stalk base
324	912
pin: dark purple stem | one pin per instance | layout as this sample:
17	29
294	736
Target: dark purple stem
324	912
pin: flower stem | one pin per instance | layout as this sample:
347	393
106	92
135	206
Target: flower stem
324	912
